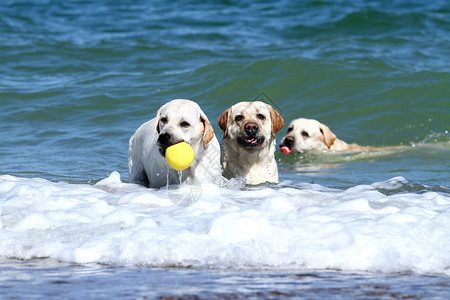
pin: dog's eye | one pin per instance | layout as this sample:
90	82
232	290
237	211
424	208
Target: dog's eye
239	118
185	124
261	116
289	129
305	134
163	120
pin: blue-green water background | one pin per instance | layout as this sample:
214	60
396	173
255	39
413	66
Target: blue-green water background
77	78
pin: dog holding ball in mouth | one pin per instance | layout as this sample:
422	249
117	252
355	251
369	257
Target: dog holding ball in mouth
177	122
309	134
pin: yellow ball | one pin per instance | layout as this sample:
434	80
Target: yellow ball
180	156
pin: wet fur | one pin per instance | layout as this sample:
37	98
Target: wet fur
146	163
254	158
310	134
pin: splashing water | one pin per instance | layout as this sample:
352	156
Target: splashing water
290	226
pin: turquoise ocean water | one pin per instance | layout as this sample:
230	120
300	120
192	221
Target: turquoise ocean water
77	78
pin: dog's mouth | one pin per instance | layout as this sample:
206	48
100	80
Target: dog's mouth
250	142
286	145
163	147
162	151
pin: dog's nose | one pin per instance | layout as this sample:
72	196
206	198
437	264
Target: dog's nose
251	128
288	140
164	139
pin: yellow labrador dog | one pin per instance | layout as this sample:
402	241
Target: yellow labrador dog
310	134
177	121
248	144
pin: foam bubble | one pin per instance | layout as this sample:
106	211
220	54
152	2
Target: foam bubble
383	227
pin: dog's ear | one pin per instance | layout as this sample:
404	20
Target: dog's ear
208	132
277	120
158	116
224	121
328	136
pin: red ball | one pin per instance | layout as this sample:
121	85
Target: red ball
286	149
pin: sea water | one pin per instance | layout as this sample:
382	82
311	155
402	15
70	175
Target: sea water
290	226
78	78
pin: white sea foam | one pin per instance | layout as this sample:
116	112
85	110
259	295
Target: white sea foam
292	225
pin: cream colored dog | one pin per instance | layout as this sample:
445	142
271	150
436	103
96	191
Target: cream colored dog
177	121
309	134
248	144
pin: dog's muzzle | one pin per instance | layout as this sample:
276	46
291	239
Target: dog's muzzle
288	141
250	140
165	140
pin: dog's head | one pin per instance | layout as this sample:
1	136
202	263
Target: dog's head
250	124
182	120
308	134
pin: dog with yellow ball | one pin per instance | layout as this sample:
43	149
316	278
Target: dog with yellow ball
178	144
